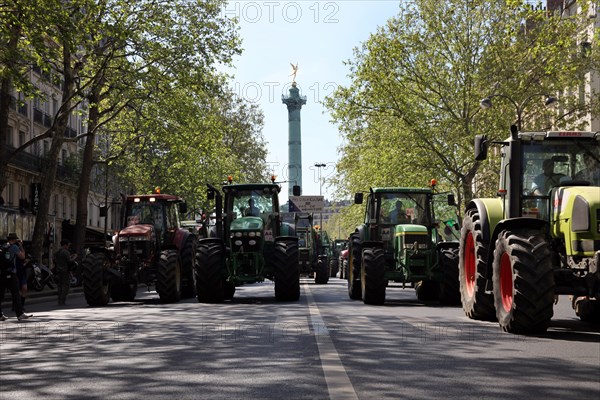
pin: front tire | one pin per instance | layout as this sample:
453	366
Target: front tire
168	277
210	266
372	280
473	253
523	281
449	286
96	279
286	271
188	266
353	272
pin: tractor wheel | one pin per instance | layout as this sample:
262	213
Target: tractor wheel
333	267
228	290
372	279
210	265
523	281
587	310
286	271
427	290
322	273
168	277
123	291
353	271
472	264
187	260
96	279
344	269
449	286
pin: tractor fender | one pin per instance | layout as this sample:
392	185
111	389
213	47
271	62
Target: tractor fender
287	238
372	244
361	232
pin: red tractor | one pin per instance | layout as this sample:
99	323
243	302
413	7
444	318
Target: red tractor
150	248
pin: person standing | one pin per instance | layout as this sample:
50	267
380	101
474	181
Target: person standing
64	260
10	281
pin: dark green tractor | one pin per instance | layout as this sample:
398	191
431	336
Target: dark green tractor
399	241
250	243
335	263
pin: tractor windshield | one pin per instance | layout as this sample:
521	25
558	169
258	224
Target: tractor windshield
551	163
252	203
404	208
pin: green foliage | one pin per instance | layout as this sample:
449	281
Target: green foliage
412	109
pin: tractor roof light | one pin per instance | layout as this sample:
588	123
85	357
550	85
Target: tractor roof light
502	192
156	190
229	179
539	136
433	183
273	177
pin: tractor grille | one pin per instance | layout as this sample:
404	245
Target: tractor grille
245	244
423	242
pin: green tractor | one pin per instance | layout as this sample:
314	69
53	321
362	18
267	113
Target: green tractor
540	237
399	241
249	243
311	261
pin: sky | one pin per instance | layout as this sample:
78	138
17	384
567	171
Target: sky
319	36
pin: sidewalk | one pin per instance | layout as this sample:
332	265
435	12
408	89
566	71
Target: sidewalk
47	294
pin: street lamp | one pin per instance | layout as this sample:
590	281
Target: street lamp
519	107
319	166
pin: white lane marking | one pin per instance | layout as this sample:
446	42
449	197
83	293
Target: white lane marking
338	383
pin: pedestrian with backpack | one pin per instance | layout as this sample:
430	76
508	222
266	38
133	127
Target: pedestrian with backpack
11	251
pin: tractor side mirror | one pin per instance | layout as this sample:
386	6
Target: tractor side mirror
451	200
210	194
481	147
296	190
182	208
358	198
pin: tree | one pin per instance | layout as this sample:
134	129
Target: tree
412	108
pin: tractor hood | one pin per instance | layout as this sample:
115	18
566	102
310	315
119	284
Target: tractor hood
576	217
137	232
247	224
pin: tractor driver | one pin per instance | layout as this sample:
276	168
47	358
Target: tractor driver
591	172
398	214
252	210
547	179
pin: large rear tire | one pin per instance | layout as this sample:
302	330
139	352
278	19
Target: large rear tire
427	290
449	286
188	265
523	281
372	278
286	271
96	279
168	277
353	273
333	267
210	266
472	263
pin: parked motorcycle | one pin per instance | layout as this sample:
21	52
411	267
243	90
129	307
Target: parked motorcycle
41	276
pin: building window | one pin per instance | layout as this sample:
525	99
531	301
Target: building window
72	209
11	194
64	207
9	136
46	147
55	204
22	137
63	157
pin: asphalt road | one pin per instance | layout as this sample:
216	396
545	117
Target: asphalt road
325	346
